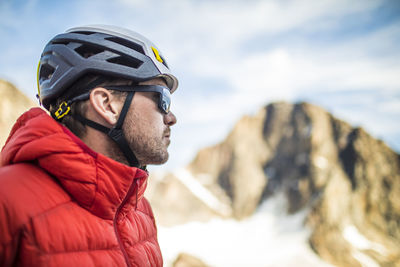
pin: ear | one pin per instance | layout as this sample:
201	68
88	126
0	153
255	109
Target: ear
106	104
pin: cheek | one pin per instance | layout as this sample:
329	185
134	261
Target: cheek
145	116
152	115
157	124
148	123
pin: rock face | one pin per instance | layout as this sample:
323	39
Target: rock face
178	198
187	260
349	181
236	166
12	104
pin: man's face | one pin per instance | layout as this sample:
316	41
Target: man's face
147	128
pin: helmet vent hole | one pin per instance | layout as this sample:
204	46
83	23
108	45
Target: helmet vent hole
84	32
87	51
126	43
46	72
133	63
60	42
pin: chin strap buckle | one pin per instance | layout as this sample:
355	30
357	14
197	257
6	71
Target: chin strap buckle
62	110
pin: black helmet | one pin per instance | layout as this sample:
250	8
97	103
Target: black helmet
99	49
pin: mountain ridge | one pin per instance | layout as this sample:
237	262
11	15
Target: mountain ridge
344	176
348	181
12	104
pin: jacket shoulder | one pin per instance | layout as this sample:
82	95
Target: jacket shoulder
145	207
25	192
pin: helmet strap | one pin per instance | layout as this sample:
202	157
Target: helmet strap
116	133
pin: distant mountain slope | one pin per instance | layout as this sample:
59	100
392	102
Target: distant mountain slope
349	181
12	104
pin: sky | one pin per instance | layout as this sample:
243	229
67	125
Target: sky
234	57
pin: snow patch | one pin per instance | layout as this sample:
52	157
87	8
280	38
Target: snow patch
321	162
268	238
359	241
364	260
187	179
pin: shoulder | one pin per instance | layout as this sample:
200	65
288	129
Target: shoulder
25	191
145	208
25	182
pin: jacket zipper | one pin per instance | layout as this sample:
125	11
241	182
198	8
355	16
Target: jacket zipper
131	189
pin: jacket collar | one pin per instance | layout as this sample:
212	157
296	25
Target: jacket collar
96	182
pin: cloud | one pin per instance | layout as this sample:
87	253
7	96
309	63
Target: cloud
232	57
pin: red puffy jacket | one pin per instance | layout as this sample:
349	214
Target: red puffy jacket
63	204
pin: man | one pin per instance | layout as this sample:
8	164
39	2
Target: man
72	184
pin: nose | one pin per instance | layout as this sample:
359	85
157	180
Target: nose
169	119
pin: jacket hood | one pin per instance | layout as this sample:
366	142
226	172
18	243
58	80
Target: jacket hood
96	182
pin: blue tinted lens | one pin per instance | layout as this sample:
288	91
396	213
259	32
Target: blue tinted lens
165	100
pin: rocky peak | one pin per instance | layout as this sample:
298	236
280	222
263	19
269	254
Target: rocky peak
343	175
12	104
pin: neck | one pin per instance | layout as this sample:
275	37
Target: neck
102	144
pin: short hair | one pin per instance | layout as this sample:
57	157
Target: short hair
81	107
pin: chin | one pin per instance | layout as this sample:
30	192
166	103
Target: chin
159	161
164	160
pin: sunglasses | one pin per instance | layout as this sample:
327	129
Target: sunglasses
164	100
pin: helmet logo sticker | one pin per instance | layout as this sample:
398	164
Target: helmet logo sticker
157	54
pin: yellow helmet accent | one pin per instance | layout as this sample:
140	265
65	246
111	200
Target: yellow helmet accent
37	79
62	110
155	51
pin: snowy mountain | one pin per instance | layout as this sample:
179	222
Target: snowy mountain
344	182
289	186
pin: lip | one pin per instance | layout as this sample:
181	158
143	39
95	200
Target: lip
167	140
167	134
